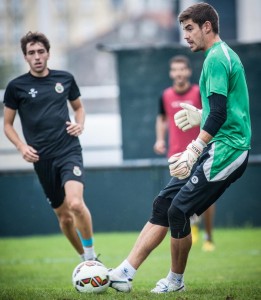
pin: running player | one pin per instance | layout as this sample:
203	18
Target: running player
52	144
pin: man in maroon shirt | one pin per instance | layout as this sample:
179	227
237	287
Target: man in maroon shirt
181	91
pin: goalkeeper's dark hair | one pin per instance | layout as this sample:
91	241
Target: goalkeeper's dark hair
32	38
200	13
180	59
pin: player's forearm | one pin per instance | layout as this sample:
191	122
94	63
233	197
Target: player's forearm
161	129
160	134
80	116
13	136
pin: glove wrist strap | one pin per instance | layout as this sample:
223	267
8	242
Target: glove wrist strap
202	143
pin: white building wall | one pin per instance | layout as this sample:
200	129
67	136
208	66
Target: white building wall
249	20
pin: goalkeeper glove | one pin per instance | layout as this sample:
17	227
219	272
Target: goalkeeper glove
174	158
188	117
182	163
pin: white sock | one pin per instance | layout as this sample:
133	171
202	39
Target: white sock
175	277
126	269
89	253
82	257
207	237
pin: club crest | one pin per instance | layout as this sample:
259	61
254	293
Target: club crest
194	179
77	171
59	88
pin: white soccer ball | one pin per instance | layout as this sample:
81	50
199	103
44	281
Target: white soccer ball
91	277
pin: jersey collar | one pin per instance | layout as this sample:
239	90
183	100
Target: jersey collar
212	47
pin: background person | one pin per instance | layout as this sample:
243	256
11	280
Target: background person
181	91
52	144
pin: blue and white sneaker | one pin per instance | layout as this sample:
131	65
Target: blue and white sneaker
165	286
120	284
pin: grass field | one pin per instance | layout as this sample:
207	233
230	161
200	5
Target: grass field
41	267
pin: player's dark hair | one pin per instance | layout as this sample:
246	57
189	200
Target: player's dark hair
200	13
180	59
32	38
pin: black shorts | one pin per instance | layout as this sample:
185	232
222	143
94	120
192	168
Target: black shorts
198	192
55	172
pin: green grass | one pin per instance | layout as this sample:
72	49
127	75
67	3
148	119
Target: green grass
40	267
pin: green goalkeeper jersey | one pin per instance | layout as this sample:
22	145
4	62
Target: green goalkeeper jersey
223	73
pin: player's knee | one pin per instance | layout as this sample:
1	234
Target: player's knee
160	211
76	205
179	223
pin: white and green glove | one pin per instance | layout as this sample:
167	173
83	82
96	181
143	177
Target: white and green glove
188	117
182	163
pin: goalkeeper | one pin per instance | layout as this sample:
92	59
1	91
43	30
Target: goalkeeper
209	164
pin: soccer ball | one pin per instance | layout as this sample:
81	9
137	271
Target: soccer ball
90	277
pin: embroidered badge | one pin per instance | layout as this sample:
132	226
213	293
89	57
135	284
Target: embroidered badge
77	171
194	179
33	93
59	88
